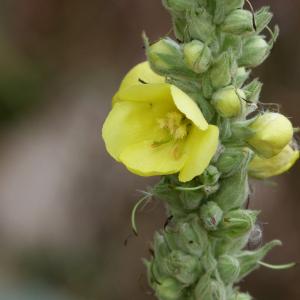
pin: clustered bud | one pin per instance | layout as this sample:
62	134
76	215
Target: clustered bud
200	253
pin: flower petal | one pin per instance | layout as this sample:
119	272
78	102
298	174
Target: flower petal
150	93
144	159
263	168
127	123
188	107
200	147
140	74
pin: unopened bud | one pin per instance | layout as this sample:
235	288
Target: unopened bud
239	21
183	267
262	168
228	101
169	289
237	223
197	56
241	76
230	161
210	289
272	133
220	73
211	215
229	268
255	51
164	55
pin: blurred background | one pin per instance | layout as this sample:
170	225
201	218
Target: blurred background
64	203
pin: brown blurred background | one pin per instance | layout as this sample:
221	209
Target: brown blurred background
64	203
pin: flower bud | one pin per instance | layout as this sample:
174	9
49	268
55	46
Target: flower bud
272	133
228	101
230	161
241	76
239	21
229	268
262	168
183	267
169	289
188	236
211	215
255	51
209	289
237	223
220	73
164	55
197	56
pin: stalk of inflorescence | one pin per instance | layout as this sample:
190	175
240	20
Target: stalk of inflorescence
192	114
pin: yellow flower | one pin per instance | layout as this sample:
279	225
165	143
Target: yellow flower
156	129
272	132
262	168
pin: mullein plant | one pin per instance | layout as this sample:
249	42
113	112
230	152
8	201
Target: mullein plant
192	115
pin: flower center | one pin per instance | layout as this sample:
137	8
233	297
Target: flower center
176	125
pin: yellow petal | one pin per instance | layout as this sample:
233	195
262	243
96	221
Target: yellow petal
188	107
262	168
201	146
151	93
139	74
126	124
144	159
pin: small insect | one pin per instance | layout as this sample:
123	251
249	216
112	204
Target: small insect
142	81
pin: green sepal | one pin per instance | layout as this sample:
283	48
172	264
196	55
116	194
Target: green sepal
262	18
249	260
228	268
169	289
240	77
230	161
234	190
238	22
253	90
237	223
205	106
210	289
220	73
200	26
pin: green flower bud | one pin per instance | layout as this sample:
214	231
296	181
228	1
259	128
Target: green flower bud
253	90
240	21
255	51
200	26
183	267
237	223
211	215
220	73
262	168
241	76
197	56
179	6
164	55
188	236
229	268
249	260
230	161
209	289
273	132
228	101
223	7
234	190
169	289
